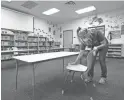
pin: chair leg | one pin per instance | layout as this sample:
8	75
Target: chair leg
66	79
83	78
72	76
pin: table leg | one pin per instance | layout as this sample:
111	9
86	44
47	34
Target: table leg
65	80
33	82
63	64
16	73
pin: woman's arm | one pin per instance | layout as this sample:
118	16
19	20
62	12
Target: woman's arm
82	48
103	44
79	56
103	41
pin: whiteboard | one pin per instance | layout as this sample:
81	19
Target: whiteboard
14	20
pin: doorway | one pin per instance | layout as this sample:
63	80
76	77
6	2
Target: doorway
67	38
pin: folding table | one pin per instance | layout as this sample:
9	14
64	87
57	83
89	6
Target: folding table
35	58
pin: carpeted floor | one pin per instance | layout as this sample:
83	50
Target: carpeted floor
49	82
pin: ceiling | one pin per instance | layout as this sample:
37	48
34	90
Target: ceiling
67	12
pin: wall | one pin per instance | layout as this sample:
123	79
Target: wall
11	19
110	19
42	27
20	21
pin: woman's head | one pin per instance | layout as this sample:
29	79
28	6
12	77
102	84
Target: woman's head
81	32
84	36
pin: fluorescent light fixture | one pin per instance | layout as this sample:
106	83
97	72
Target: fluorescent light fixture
9	0
51	11
84	10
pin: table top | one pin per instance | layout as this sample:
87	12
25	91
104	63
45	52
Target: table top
44	56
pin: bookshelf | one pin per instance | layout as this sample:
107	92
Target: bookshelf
32	44
7	42
41	44
116	50
22	43
55	46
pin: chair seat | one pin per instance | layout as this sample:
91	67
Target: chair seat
79	68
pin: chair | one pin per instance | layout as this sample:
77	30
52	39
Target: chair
78	68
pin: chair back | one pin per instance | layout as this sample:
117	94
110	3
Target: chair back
90	55
90	59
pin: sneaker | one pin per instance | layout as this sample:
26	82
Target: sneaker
102	80
89	79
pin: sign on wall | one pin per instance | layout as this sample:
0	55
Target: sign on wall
100	28
116	34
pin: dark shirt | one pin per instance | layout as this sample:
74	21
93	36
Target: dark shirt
97	38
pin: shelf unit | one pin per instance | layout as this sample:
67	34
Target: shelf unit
41	44
116	50
7	42
32	44
55	46
22	43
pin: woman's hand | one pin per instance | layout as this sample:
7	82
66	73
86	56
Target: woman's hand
95	49
94	53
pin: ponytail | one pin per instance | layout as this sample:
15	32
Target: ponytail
79	28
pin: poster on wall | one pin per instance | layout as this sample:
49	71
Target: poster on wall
116	34
100	28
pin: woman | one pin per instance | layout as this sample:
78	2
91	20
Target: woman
97	42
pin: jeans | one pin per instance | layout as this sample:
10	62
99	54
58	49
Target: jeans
102	59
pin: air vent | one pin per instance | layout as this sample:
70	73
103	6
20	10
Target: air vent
29	4
70	3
